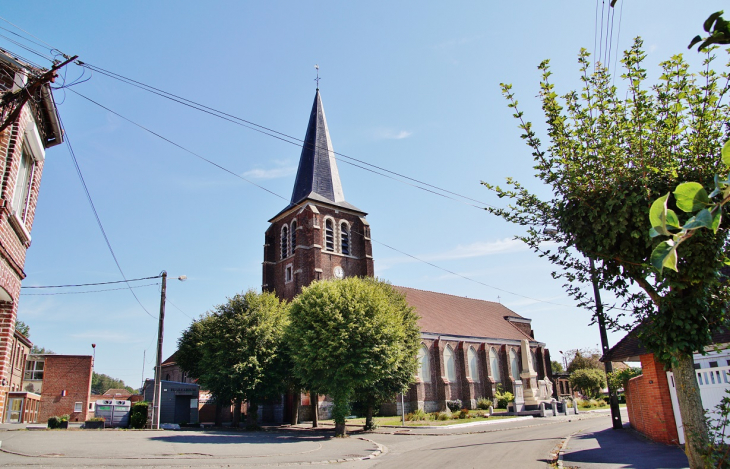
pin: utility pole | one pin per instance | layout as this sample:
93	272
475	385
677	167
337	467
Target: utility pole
615	412
25	93
158	367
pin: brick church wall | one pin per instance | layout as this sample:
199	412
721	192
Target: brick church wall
310	261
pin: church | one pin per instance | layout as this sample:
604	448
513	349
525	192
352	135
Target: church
468	348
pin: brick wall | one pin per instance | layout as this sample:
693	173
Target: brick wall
69	373
12	247
649	403
309	261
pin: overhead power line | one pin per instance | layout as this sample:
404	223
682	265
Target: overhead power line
91	284
282	197
87	291
96	214
288	138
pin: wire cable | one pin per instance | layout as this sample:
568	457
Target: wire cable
96	214
90	284
276	134
284	198
87	291
26	32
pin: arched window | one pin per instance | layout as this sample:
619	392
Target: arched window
471	355
293	237
514	364
329	236
167	376
494	365
345	238
284	242
449	364
424	367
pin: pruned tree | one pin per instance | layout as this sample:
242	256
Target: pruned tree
351	337
235	350
589	381
611	154
584	359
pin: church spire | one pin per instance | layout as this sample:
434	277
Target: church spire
317	174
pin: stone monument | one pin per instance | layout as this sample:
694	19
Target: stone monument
530	390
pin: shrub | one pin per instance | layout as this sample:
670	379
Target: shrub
464	414
483	403
588	381
96	419
618	379
504	398
138	415
53	422
443	416
454	405
64	418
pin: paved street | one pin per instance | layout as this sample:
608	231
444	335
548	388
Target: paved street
518	444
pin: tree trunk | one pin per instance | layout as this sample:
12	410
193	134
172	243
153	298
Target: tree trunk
236	413
314	398
295	407
218	413
690	408
253	416
369	417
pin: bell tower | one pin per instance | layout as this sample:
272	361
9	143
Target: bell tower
319	235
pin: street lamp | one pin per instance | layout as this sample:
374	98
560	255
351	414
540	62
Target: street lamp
158	367
615	411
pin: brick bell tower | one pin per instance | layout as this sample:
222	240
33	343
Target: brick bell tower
319	235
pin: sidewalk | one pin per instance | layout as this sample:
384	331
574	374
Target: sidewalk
614	449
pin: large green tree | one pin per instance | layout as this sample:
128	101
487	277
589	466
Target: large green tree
353	337
235	351
612	151
101	383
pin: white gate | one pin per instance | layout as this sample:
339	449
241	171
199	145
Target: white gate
713	382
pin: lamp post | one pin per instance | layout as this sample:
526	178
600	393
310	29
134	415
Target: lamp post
615	412
158	367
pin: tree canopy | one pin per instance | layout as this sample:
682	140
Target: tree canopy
584	359
23	328
611	153
356	336
235	350
101	383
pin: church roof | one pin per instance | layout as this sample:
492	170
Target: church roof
468	317
317	177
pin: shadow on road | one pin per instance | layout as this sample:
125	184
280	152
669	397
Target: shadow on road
623	447
236	438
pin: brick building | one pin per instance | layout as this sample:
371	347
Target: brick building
64	384
22	152
468	347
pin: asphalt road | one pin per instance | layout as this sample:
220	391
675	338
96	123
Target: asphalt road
520	444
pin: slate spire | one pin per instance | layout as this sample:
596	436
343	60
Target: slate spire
317	174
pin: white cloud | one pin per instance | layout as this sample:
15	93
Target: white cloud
479	249
455	42
391	134
273	173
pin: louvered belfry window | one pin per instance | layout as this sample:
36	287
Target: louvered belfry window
329	236
345	239
293	236
284	242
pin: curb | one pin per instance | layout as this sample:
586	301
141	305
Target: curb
563	447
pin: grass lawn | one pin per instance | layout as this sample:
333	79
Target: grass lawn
580	407
397	421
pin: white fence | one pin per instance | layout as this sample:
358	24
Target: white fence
713	382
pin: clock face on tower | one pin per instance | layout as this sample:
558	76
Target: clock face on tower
338	272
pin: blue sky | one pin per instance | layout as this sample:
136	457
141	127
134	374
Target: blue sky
409	86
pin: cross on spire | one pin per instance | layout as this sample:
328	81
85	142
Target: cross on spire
316	66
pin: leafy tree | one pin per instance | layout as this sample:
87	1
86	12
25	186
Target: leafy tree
35	350
584	359
719	30
23	328
101	383
353	337
618	379
611	154
556	366
589	381
235	351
